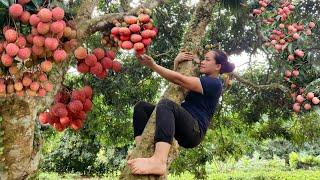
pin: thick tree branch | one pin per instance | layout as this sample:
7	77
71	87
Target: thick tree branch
125	5
83	15
191	42
261	37
272	86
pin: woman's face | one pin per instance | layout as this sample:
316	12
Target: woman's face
208	65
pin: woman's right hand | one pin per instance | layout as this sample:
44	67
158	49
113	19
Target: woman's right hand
185	56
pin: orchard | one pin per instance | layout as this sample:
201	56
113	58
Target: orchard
288	37
69	80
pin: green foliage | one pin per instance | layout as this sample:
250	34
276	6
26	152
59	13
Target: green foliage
306	128
303	161
247	121
75	153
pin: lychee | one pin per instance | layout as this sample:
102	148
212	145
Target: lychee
15	10
138	46
99	53
88	91
83	67
59	55
38	40
42	92
91	60
24	53
57	13
80	53
34	20
57	27
96	69
135	38
26	81
25	16
34	86
11	35
51	43
46	66
144	18
116	66
130	19
43	28
12	49
44	117
127	45
21	42
106	63
45	15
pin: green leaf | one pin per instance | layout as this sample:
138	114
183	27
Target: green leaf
36	3
290	48
4	3
317	109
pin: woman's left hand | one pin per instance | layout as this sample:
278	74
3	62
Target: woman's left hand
146	60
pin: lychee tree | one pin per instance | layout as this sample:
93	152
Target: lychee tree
60	62
36	52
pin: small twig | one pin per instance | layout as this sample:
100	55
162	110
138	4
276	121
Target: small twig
164	53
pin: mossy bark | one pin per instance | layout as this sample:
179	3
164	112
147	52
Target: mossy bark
20	140
191	42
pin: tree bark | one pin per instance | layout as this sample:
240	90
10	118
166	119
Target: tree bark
20	139
191	42
19	133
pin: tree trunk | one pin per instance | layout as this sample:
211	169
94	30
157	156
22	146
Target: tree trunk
191	42
20	139
20	156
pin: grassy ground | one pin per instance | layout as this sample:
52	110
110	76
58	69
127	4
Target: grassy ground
234	175
244	169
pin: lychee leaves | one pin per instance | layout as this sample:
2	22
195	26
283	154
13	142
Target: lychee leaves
4	4
314	86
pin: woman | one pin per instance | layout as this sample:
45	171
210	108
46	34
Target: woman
187	122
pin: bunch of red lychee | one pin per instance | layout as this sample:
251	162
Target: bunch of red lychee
109	42
288	74
305	101
47	30
285	10
287	33
263	4
29	84
69	109
135	32
50	40
98	63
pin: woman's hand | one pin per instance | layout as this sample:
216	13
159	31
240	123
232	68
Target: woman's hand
185	56
146	60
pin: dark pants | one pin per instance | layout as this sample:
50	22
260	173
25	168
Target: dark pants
172	120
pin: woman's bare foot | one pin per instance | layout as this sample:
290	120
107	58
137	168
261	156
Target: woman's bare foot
150	165
137	141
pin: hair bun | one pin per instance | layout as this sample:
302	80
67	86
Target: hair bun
227	68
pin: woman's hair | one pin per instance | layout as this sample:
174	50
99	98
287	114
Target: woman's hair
222	58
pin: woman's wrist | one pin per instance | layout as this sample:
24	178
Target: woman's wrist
153	65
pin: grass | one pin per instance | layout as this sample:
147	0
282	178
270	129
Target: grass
244	169
233	175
